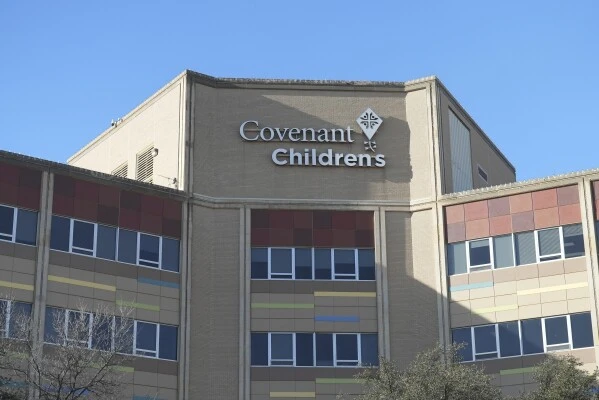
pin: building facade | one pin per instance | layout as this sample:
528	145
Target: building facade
278	236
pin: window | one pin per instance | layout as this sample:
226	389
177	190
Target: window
167	348
557	335
485	342
479	254
322	264
532	336
84	237
461	162
149	250
18	225
281	263
573	241
549	244
525	248
509	339
146	339
60	233
106	237
366	264
314	349
14	319
503	251
78	327
170	254
582	330
456	258
463	337
303	263
345	264
259	263
127	246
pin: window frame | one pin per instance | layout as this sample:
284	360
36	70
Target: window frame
568	328
334	274
72	234
561	254
270	277
88	342
481	267
473	338
15	218
336	361
157	344
138	258
293	350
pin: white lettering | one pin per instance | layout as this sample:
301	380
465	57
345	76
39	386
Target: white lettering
242	133
275	158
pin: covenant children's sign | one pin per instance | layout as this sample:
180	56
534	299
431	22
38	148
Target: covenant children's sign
368	121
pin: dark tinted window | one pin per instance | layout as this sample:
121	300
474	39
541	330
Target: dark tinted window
456	258
281	349
347	349
525	248
168	342
463	336
480	253
149	247
582	330
146	339
83	238
124	341
54	319
303	264
556	330
19	319
304	349
532	336
78	326
509	339
106	242
485	342
280	264
259	348
345	264
60	233
26	227
573	241
370	349
503	249
322	263
7	215
549	244
170	254
259	263
324	349
127	246
366	264
102	332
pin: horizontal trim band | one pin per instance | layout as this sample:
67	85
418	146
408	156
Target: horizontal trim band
515	371
283	305
77	282
15	285
337	318
495	309
140	306
306	395
478	285
552	288
344	294
339	380
157	282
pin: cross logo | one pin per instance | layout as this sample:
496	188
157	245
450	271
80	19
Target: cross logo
369	122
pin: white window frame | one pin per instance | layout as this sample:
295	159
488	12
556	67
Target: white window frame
270	273
13	234
292	360
88	342
343	363
73	249
550	348
481	267
138	258
135	349
547	257
519	339
335	275
474	353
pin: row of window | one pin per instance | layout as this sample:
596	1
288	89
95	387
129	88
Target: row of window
111	243
312	263
145	339
18	225
530	336
515	249
314	349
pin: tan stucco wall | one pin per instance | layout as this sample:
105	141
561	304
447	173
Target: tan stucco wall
214	304
245	169
157	122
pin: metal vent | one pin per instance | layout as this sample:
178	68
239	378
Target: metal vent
121	171
145	165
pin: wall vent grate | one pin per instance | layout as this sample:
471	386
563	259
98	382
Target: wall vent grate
121	171
145	165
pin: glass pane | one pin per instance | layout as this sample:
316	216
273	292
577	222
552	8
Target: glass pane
582	330
19	320
456	258
347	347
463	336
303	263
549	242
149	247
106	242
59	233
322	264
259	263
509	339
485	339
146	337
124	335
259	348
366	264
345	262
503	250
281	348
480	252
324	349
78	326
83	237
280	263
573	241
26	227
102	332
556	330
170	254
127	246
168	342
3	317
54	319
370	349
532	336
7	215
525	248
304	347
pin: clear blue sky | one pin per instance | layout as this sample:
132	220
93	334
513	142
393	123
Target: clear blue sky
526	71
